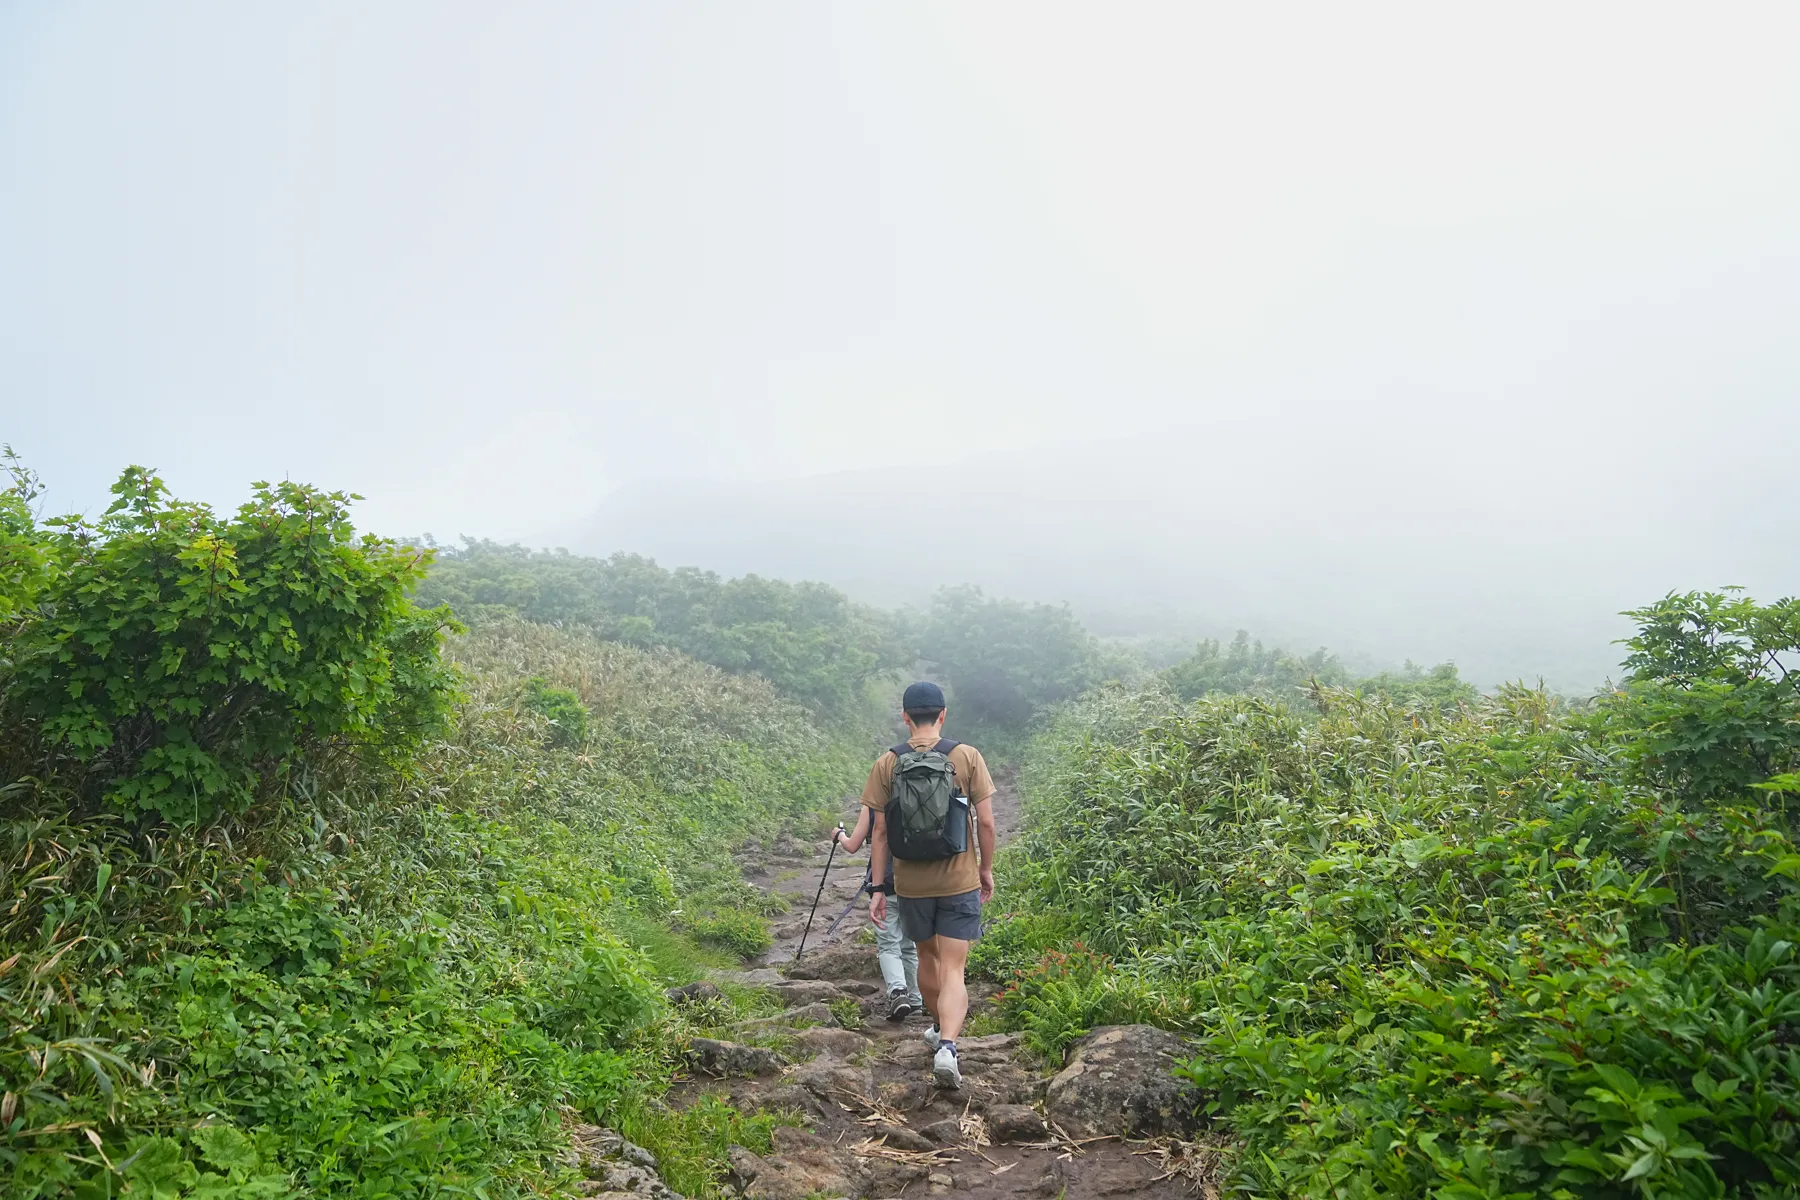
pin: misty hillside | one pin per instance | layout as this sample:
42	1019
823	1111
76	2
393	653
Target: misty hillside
1513	567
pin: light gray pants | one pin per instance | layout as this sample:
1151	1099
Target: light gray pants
898	956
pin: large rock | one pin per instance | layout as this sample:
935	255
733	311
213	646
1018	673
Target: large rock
730	1058
1001	1083
1119	1081
792	1019
840	1042
803	1165
902	1138
693	993
907	1095
837	962
760	977
807	991
831	1078
614	1167
947	1132
1015	1123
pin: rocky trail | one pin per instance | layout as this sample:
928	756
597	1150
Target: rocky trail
1108	1123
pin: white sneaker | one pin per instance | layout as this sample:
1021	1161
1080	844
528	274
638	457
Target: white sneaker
944	1070
932	1037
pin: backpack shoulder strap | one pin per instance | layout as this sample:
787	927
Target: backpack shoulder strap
945	745
902	748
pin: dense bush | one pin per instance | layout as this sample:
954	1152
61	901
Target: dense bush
561	707
183	665
1005	661
24	565
1711	704
1246	668
1456	953
806	638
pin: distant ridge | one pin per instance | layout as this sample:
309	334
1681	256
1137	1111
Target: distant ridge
1408	556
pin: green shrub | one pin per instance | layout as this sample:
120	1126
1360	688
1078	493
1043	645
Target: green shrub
1709	707
24	562
187	665
561	707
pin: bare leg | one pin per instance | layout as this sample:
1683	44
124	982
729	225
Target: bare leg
928	977
948	994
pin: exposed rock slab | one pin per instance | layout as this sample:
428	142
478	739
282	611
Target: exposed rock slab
807	991
802	1165
837	963
1119	1081
839	1042
794	1018
760	977
831	1078
730	1058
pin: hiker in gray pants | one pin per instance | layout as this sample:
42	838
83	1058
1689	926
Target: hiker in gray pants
898	956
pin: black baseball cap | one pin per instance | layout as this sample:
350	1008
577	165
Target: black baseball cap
923	697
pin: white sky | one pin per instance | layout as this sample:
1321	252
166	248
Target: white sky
487	264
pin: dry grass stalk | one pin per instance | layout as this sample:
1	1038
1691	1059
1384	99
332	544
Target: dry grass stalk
878	1148
1060	1140
974	1128
876	1112
1200	1163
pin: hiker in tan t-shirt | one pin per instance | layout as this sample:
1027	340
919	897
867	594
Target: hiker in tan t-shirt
938	902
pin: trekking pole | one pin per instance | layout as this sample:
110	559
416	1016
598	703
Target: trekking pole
820	892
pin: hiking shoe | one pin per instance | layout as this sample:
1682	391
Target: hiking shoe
933	1038
899	1006
944	1070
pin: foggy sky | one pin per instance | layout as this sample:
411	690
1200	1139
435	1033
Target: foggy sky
1430	289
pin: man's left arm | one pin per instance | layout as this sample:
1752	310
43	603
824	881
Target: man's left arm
986	835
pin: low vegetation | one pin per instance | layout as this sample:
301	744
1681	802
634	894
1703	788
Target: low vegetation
1246	668
385	929
1492	949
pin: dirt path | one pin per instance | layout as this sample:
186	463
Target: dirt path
877	1127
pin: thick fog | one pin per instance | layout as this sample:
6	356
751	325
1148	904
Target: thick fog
1409	330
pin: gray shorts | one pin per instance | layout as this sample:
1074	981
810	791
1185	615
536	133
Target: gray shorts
957	916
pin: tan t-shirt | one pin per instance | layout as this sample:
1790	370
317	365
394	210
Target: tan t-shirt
944	877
